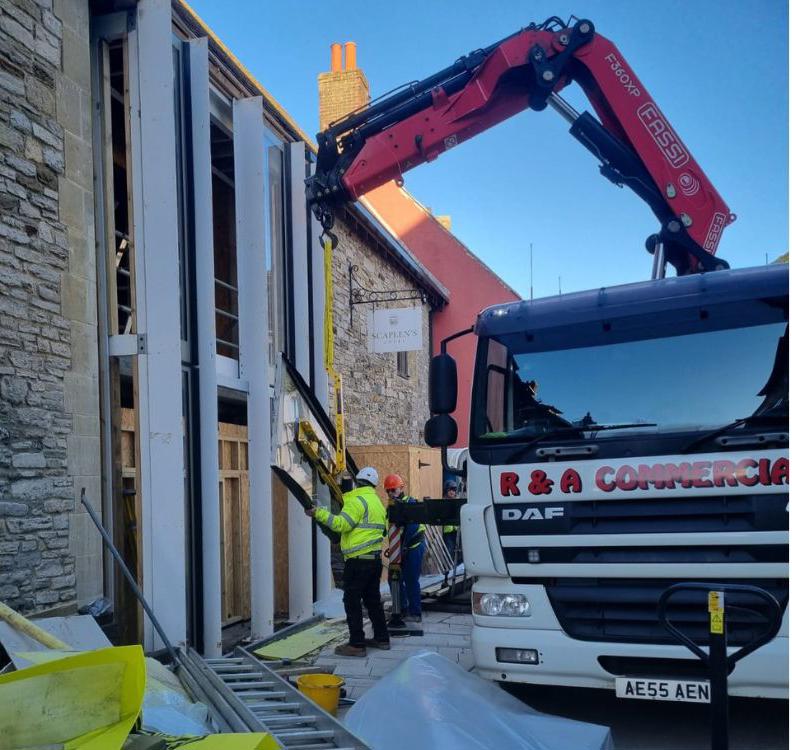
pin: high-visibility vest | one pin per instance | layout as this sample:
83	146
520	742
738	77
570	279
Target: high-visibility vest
361	522
450	528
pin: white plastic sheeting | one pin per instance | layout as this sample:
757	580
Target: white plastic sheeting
166	706
433	703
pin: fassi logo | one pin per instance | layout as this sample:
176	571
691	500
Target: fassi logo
714	232
532	514
673	150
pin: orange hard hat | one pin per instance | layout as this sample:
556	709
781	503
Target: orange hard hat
393	482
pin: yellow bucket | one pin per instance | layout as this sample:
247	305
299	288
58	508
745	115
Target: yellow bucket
322	689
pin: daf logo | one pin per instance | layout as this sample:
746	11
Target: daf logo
532	514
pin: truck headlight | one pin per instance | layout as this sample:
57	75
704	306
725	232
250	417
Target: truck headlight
501	605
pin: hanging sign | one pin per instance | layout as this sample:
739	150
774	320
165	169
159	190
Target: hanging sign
396	330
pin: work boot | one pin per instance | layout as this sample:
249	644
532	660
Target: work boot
348	649
382	645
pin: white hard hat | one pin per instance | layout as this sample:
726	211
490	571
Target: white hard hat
368	474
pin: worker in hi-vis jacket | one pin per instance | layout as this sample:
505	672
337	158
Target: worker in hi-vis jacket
361	523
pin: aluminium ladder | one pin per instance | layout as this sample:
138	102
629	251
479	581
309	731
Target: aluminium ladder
256	697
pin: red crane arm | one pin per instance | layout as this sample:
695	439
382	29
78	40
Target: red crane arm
633	140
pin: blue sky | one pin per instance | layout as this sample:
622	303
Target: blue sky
717	68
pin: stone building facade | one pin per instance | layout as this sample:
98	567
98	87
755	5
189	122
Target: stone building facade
88	106
385	394
48	389
383	407
79	293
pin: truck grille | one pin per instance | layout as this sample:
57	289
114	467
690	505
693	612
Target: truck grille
616	610
650	515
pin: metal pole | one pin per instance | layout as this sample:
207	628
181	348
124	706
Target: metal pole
563	107
658	262
130	578
531	270
719	671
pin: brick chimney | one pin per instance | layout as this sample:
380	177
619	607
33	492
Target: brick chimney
343	88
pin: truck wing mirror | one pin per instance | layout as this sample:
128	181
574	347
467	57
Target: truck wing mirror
440	431
442	384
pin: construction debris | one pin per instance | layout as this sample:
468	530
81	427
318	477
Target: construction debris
27	628
72	633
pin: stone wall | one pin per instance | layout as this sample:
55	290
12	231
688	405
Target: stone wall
37	347
78	293
382	407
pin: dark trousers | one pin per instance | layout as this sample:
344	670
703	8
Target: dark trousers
362	586
450	539
410	583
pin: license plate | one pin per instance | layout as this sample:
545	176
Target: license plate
662	690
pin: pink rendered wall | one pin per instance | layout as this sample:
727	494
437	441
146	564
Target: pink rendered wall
472	285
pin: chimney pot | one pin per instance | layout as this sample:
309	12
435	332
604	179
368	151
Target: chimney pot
335	57
350	51
341	94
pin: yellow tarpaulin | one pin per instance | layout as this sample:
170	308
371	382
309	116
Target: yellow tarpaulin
236	742
250	741
88	701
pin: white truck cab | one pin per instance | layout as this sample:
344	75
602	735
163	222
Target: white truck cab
623	440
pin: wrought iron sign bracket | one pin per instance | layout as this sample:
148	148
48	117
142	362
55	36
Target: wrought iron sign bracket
360	295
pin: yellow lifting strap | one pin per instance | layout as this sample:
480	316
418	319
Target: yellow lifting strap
329	357
329	352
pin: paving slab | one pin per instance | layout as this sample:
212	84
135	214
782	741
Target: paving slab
349	668
448	635
463	620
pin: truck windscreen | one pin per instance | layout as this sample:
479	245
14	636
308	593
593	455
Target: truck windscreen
694	381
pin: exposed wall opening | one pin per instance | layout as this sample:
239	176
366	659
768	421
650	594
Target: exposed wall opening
126	506
234	497
119	384
225	255
276	254
122	286
234	489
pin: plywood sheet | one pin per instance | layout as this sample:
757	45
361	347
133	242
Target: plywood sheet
419	466
280	541
303	642
426	473
234	521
